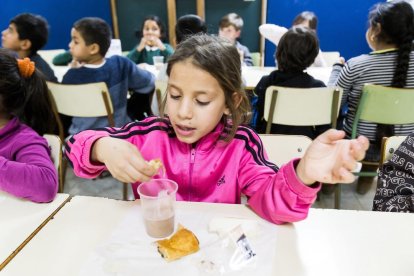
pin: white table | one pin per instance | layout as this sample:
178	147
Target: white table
253	74
95	236
19	219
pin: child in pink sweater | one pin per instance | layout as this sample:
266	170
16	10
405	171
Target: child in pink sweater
205	146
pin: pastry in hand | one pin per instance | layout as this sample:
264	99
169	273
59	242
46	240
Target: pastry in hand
155	163
182	243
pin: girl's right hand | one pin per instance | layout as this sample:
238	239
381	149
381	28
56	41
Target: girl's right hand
122	159
142	44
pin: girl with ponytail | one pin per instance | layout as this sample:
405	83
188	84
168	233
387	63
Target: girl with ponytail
390	35
26	170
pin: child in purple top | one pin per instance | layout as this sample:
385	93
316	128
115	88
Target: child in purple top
26	170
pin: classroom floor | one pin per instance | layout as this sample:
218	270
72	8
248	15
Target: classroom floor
111	188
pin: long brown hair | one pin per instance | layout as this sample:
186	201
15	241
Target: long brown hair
221	60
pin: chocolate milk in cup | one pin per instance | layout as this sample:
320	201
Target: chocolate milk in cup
158	206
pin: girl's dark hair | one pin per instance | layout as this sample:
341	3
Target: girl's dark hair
221	60
188	25
95	30
306	15
157	19
297	49
32	27
396	22
26	98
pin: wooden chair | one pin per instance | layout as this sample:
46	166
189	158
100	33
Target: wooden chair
257	59
389	146
382	105
160	91
330	58
82	100
283	148
301	106
55	145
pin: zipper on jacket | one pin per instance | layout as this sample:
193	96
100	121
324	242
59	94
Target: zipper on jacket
192	159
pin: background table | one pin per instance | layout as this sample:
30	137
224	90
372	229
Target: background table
101	235
19	218
253	74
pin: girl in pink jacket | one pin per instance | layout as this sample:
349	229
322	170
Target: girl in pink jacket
205	147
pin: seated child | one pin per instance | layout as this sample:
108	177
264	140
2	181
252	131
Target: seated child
395	188
297	50
90	41
274	32
65	58
151	44
205	146
26	170
26	34
230	27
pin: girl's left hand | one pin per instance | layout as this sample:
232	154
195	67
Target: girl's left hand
159	44
331	159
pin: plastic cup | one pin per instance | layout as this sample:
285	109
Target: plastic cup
158	62
158	206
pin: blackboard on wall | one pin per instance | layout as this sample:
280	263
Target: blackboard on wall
132	12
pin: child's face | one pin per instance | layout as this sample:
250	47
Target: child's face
10	38
229	33
78	48
195	104
151	31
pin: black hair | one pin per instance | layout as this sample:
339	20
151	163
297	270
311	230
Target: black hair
306	15
95	30
396	22
32	27
26	98
397	27
297	49
221	60
157	19
188	25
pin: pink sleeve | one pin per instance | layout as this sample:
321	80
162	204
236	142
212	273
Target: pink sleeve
78	152
280	197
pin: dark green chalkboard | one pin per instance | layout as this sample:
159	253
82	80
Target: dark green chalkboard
132	12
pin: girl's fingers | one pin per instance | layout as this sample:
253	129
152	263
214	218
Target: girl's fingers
345	176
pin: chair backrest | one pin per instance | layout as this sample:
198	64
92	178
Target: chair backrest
160	90
55	145
302	106
330	58
384	105
256	57
48	55
389	146
82	100
283	148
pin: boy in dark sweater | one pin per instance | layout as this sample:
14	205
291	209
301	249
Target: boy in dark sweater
91	38
296	51
27	33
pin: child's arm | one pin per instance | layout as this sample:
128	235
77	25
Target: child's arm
139	80
287	194
32	175
272	32
331	159
122	159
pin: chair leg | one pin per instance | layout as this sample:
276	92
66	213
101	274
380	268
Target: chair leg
338	196
62	175
125	191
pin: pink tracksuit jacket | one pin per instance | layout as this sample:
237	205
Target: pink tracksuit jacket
211	170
